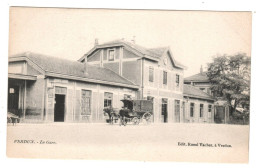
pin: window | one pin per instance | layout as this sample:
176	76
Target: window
151	74
165	77
201	110
177	111
111	55
191	109
209	110
164	106
177	80
86	102
108	98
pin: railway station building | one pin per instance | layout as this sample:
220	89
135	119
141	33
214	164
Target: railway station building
48	89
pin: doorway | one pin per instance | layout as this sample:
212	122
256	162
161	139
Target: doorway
13	99
165	117
165	110
59	108
219	114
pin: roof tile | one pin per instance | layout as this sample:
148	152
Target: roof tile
75	68
200	77
195	92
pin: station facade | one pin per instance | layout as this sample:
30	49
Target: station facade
48	89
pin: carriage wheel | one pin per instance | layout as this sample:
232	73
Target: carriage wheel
147	118
135	121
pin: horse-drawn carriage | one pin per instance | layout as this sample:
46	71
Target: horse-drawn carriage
134	111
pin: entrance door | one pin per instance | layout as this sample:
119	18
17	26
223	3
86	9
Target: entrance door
165	110
59	108
219	114
13	99
165	117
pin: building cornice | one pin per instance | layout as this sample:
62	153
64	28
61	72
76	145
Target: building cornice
198	97
22	76
52	74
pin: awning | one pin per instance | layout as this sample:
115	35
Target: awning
22	76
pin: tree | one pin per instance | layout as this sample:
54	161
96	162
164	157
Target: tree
230	79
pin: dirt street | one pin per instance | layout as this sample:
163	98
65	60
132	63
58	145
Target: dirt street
155	142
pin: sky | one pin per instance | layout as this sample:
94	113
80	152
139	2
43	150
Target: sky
194	37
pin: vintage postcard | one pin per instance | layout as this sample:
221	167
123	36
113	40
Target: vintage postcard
135	85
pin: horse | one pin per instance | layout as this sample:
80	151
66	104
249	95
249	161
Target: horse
12	118
112	113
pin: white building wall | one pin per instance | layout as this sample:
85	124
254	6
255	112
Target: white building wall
196	118
158	90
73	100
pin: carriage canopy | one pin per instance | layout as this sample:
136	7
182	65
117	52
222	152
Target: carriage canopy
138	105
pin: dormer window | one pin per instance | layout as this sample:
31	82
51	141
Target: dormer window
111	55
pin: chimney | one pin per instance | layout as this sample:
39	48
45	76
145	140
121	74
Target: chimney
96	42
201	69
85	70
133	40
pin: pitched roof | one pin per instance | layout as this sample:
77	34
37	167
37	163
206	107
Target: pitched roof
200	77
54	65
191	91
153	53
157	52
137	47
